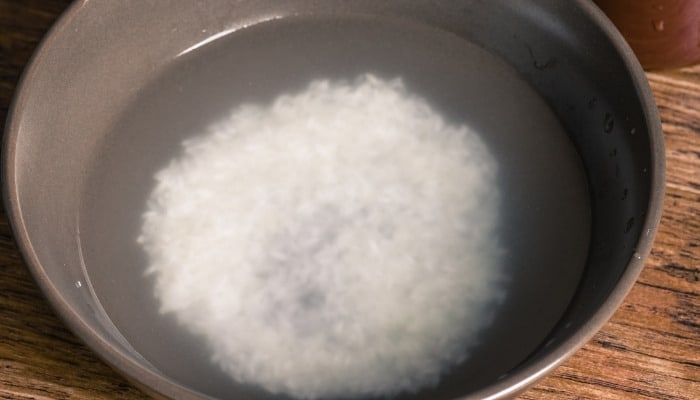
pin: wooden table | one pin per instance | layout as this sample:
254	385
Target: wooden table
649	350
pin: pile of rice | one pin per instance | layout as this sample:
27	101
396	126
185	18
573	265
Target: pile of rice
338	242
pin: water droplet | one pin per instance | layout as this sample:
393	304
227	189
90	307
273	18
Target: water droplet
567	325
78	284
658	25
633	131
644	170
608	123
648	232
629	224
658	7
637	256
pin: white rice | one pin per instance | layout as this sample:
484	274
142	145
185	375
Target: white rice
338	242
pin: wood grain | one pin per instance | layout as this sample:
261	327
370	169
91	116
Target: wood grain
649	350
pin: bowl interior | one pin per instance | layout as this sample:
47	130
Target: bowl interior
545	83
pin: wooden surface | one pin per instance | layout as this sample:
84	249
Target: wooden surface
649	350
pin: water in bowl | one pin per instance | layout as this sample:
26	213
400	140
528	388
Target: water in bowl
542	221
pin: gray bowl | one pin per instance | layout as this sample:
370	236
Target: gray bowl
63	152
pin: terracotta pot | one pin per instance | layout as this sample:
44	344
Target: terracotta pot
662	33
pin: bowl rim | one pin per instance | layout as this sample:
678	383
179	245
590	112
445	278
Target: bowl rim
160	386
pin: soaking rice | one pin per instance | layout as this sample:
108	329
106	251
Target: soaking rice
338	242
